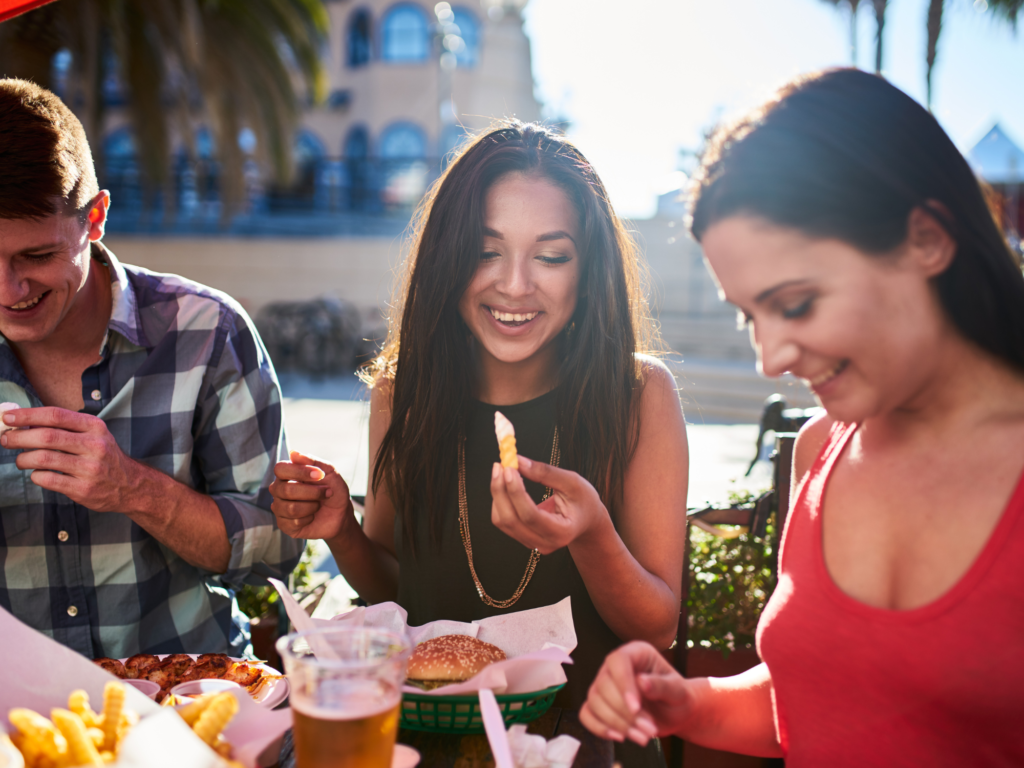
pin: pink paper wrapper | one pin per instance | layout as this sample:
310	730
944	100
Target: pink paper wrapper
40	673
537	641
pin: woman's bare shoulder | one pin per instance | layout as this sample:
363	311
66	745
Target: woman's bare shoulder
809	442
654	371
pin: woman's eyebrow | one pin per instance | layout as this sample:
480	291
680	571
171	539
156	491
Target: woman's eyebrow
775	288
558	234
488	232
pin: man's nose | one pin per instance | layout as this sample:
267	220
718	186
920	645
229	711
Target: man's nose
12	289
777	352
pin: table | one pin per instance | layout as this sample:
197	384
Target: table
455	751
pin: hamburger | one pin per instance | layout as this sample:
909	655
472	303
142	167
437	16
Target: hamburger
450	659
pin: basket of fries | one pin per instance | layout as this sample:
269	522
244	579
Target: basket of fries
80	736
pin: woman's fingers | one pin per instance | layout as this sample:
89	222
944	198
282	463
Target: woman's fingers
292	491
298	472
555	478
294	510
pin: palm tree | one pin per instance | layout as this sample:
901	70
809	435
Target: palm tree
880	8
934	26
853	5
226	63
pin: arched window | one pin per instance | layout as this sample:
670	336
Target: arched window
405	36
469	31
357	167
358	48
403	141
403	149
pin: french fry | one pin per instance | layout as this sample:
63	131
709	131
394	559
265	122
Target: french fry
37	739
80	747
78	702
191	712
113	705
506	435
215	717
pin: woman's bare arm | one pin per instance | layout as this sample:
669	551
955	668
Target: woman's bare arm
632	568
637	695
366	555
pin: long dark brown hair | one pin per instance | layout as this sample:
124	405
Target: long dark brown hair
846	155
427	358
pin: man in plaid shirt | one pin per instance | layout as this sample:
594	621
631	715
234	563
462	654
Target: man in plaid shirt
133	485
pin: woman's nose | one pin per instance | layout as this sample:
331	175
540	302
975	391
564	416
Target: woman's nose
515	277
777	353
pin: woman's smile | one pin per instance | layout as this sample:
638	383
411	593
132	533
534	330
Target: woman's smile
523	293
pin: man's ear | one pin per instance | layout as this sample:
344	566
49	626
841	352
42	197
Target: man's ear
928	241
97	216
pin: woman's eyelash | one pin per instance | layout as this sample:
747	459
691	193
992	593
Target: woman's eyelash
488	255
798	311
743	319
554	259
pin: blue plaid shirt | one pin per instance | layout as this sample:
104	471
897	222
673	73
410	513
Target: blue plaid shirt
184	385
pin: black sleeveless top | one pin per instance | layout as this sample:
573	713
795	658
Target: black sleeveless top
436	583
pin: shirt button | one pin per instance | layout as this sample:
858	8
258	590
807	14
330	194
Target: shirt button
63	535
96	394
72	611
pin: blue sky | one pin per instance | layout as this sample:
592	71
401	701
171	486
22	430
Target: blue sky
642	79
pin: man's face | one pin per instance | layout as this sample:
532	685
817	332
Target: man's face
44	263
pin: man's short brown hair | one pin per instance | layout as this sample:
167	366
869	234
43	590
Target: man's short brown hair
44	154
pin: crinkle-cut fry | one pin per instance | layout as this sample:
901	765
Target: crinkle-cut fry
37	738
113	705
507	450
80	747
190	713
215	717
78	702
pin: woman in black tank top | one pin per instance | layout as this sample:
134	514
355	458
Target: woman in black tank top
522	294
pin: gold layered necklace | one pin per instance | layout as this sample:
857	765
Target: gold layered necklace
531	565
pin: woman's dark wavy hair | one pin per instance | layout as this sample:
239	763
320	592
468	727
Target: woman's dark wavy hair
843	154
427	360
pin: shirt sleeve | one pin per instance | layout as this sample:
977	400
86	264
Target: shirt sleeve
241	437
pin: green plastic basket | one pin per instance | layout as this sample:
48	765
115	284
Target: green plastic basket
461	714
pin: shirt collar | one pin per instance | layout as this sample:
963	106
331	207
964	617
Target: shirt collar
124	313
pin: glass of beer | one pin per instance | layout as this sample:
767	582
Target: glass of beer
345	693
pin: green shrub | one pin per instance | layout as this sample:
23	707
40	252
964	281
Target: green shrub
255	602
730	583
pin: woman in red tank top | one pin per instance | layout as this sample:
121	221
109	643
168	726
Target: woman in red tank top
853	237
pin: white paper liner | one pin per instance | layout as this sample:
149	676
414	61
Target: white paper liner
537	641
515	748
41	673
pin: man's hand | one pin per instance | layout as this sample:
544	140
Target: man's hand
74	454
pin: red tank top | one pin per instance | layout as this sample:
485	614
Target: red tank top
939	685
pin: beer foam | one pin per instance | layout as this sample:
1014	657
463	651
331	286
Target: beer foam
352	704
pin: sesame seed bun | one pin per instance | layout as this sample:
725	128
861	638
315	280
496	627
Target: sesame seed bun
450	659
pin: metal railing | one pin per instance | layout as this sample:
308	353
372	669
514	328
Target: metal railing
330	195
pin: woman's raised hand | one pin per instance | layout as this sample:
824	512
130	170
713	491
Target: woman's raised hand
311	499
573	508
637	695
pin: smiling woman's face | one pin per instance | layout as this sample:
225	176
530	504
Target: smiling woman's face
863	331
523	293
